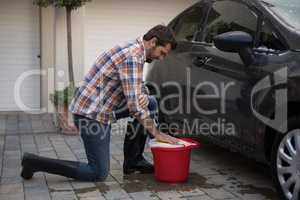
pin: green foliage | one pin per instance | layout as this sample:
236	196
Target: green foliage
63	97
71	4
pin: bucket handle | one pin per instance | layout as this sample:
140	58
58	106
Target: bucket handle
195	144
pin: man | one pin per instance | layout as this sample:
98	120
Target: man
112	89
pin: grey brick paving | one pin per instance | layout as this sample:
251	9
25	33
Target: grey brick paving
147	195
212	175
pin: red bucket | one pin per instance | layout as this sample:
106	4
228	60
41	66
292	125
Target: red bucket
172	164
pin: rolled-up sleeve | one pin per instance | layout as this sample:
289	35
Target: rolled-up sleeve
131	75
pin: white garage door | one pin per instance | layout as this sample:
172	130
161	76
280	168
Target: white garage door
19	50
109	22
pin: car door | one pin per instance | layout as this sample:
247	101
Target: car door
171	74
224	82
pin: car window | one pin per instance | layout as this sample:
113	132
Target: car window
188	27
269	39
287	11
226	16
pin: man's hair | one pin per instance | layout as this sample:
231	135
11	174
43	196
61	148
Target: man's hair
163	34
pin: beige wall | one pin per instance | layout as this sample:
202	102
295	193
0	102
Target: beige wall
111	22
95	27
47	29
61	61
103	23
54	62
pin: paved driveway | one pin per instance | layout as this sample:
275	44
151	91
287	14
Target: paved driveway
215	173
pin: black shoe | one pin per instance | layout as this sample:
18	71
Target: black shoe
142	166
27	172
33	163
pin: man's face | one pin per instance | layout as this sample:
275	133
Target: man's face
158	52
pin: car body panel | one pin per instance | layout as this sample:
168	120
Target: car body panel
196	62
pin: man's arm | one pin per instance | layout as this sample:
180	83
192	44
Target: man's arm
149	124
131	73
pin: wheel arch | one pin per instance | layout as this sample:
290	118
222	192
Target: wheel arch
271	134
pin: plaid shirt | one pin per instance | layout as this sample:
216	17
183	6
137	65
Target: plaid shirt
114	79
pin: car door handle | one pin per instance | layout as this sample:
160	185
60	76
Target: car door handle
201	60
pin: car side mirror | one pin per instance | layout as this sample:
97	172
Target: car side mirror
236	42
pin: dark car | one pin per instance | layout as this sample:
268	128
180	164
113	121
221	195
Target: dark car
234	79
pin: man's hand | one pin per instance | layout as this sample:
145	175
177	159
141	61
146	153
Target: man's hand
143	101
166	138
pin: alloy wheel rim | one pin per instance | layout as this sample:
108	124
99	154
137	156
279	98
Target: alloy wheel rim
288	165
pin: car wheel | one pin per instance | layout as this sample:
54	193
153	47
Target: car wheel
286	164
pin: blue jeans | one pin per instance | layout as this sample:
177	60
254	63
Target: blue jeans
96	140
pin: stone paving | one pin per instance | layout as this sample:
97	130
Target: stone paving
214	173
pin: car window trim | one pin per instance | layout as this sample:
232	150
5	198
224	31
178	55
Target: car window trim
176	21
272	27
204	25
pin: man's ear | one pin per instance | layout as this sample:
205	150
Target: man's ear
153	42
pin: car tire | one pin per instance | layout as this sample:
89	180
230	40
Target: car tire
285	162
